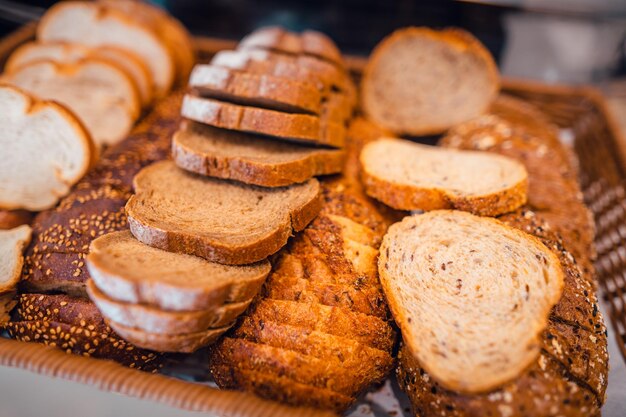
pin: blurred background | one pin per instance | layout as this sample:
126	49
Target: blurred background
573	41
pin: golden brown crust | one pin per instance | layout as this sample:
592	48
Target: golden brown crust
10	219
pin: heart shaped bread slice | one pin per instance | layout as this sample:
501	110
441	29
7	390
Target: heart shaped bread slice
471	296
410	176
221	221
129	271
45	150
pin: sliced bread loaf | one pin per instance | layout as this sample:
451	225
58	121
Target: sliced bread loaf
250	159
126	270
12	245
67	53
155	320
45	150
221	221
420	81
471	296
410	176
299	127
98	92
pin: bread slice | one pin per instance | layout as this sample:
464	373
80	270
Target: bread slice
155	320
67	53
250	159
420	81
164	342
98	92
221	221
259	90
409	176
45	150
12	245
128	271
298	127
95	24
471	296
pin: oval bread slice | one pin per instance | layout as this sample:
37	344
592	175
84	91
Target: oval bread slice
129	271
45	150
420	81
12	245
410	176
470	295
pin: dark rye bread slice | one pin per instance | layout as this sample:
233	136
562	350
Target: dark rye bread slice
249	158
260	90
220	221
76	326
420	81
129	271
300	127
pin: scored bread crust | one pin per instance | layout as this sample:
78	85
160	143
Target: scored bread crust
305	163
301	127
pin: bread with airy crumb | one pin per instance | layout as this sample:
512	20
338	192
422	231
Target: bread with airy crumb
12	245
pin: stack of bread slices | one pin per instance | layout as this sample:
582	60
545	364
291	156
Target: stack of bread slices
260	123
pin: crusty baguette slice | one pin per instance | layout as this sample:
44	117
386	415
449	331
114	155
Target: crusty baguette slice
67	53
299	127
95	25
250	159
420	81
12	245
409	176
256	89
98	92
155	320
45	150
471	296
164	342
126	270
221	221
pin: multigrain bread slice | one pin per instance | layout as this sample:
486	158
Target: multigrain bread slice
420	81
250	159
12	245
299	127
221	221
155	320
102	95
126	270
259	90
62	52
470	295
411	176
45	150
95	24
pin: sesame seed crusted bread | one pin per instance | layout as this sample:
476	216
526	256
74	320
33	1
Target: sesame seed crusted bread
239	224
248	158
412	176
128	271
299	127
12	245
420	81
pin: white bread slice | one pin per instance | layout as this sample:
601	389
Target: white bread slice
98	92
126	270
96	25
410	176
67	53
12	245
471	296
420	81
44	151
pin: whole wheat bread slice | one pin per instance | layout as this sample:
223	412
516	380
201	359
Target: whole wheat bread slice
12	245
420	81
45	150
471	296
128	271
260	90
221	221
250	159
410	176
299	127
155	320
